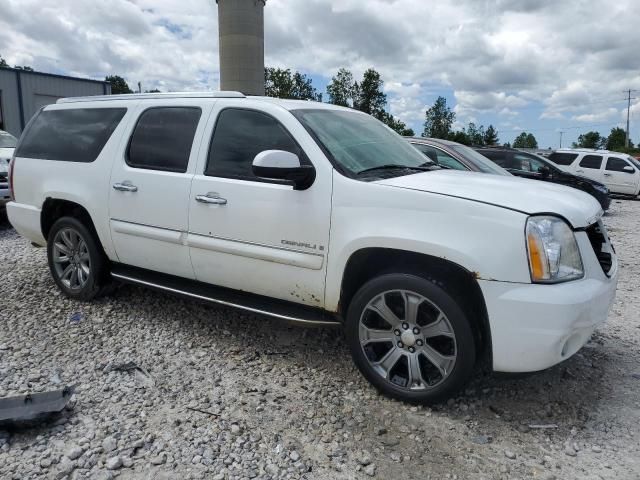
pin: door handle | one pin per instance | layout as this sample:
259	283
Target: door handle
211	199
125	187
579	171
607	174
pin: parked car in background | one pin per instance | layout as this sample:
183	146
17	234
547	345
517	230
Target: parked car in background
529	165
618	171
454	156
316	214
7	146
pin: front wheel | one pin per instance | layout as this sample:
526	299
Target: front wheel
410	338
76	260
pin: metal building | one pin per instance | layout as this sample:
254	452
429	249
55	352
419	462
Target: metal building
241	32
22	93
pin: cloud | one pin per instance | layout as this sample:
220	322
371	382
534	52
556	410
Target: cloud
568	60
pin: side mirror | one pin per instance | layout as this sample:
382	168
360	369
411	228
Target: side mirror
629	169
281	165
544	171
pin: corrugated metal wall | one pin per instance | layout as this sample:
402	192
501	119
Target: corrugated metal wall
38	89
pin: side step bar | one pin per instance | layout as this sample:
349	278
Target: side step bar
280	309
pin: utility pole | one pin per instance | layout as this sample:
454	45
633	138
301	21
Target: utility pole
626	138
561	132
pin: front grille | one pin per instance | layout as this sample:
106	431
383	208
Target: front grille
601	246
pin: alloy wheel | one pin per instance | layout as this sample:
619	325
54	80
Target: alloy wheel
71	259
407	340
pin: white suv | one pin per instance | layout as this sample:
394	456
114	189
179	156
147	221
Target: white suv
618	171
316	214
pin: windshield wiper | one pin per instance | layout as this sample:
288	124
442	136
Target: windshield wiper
421	168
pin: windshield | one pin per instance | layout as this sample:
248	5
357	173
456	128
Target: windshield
634	160
7	140
359	142
483	163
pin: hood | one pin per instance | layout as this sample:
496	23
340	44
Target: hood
526	196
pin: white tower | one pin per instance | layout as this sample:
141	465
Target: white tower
241	30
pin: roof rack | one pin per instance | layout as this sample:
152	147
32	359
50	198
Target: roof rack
152	96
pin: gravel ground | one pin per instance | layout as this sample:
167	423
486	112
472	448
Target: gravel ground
221	394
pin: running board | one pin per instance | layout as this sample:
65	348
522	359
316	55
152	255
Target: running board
280	309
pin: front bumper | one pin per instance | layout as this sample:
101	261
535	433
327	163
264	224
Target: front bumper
536	326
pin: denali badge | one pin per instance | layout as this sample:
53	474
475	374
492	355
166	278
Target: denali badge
302	244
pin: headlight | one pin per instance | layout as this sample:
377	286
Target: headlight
553	251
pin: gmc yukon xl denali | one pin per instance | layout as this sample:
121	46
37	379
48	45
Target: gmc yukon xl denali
316	214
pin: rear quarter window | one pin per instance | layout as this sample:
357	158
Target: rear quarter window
71	135
560	158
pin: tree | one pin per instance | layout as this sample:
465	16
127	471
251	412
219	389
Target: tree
438	120
281	83
491	136
155	90
525	140
459	136
398	125
342	88
118	84
475	134
369	97
3	63
616	139
590	140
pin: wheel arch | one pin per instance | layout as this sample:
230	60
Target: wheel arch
370	262
55	208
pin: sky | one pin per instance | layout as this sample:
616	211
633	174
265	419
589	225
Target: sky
542	66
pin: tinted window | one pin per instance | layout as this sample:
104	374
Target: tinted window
499	158
74	135
617	164
563	158
439	157
239	136
162	139
528	162
591	161
7	140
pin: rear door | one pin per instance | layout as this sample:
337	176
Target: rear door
150	185
618	179
590	166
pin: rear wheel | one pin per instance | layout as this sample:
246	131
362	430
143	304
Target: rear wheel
410	338
76	260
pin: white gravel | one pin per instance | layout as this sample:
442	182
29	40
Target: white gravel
225	395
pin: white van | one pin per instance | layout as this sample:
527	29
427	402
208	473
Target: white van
315	214
618	171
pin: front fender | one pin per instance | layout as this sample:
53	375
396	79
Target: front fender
484	239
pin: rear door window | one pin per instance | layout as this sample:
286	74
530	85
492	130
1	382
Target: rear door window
591	161
71	135
561	158
163	138
615	164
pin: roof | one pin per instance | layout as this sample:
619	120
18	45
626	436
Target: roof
441	141
590	150
285	103
151	96
53	75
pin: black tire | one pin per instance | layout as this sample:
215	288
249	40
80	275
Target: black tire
437	298
98	281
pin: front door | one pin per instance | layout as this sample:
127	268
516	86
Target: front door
617	179
590	166
150	183
252	234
